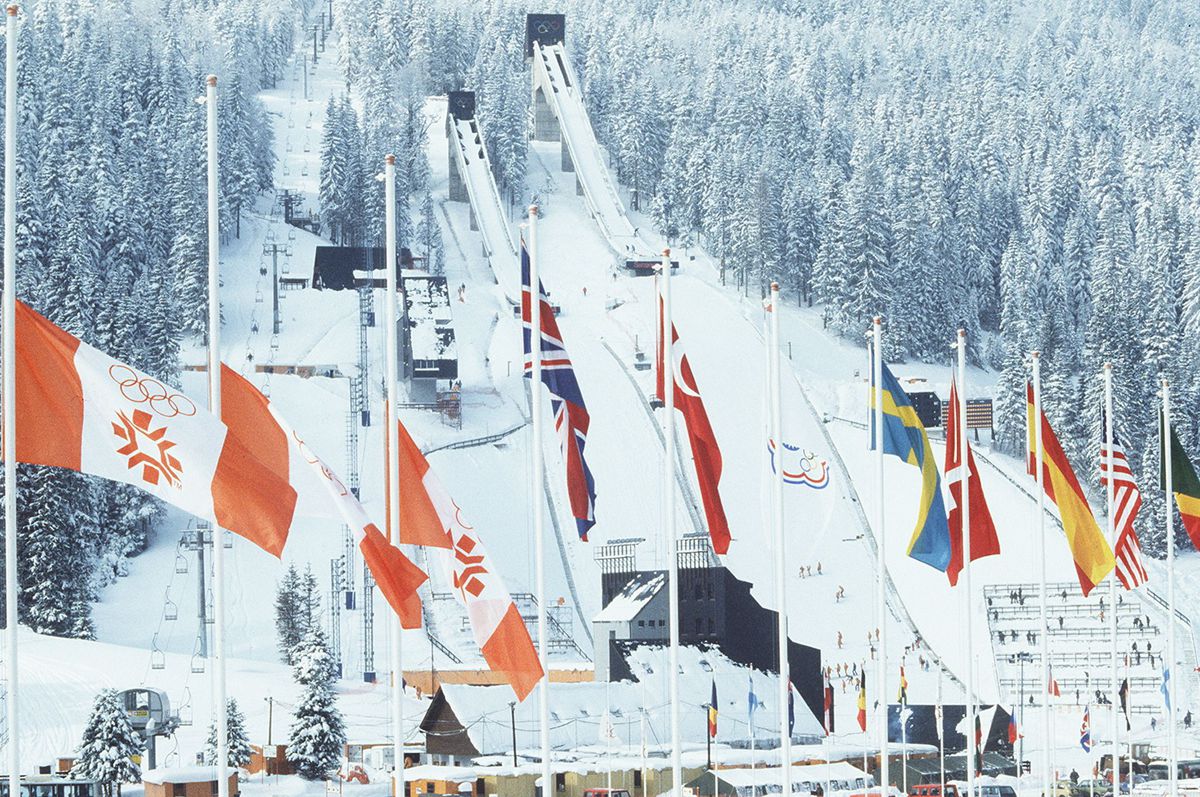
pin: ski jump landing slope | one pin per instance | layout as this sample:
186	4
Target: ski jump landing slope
554	77
470	155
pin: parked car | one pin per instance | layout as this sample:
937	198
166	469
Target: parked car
934	790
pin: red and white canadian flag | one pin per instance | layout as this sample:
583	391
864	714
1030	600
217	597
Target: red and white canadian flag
256	421
429	516
78	408
983	531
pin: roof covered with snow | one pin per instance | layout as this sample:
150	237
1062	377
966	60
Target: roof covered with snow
180	775
430	323
633	598
577	709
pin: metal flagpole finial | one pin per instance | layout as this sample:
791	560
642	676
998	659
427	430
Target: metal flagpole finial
389	159
211	80
533	209
877	320
667	252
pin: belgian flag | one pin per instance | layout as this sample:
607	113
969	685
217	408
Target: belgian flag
862	700
1185	484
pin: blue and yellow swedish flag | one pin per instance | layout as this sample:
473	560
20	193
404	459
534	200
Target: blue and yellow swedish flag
904	436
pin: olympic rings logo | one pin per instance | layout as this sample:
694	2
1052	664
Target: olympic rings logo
143	390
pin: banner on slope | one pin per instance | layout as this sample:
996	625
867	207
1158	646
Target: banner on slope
800	466
255	420
1093	558
706	454
79	409
496	624
984	541
571	419
904	437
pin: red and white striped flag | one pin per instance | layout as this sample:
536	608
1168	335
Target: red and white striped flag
257	423
430	516
79	409
1127	501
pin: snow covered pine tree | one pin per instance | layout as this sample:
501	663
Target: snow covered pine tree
239	742
108	746
318	732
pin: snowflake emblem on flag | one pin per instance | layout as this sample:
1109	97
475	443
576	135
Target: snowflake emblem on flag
470	567
147	448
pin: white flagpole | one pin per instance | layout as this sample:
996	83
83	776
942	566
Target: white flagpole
880	558
774	376
392	353
539	497
10	397
751	715
941	732
1041	522
668	366
1169	513
964	481
1110	495
214	403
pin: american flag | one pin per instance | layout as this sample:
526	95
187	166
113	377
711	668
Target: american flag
571	418
1127	500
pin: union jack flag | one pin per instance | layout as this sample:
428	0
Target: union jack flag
1127	501
571	418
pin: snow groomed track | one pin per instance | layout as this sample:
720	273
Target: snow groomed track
555	80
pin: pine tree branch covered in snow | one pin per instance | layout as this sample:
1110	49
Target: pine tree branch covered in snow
109	744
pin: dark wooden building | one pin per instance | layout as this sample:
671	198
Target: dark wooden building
715	609
342	268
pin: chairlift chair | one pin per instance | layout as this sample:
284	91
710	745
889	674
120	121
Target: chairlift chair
197	667
181	563
258	297
262	271
228	539
158	661
170	610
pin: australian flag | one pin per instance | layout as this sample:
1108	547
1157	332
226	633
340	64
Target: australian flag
566	401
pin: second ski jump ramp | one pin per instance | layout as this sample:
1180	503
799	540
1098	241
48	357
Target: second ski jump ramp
468	157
